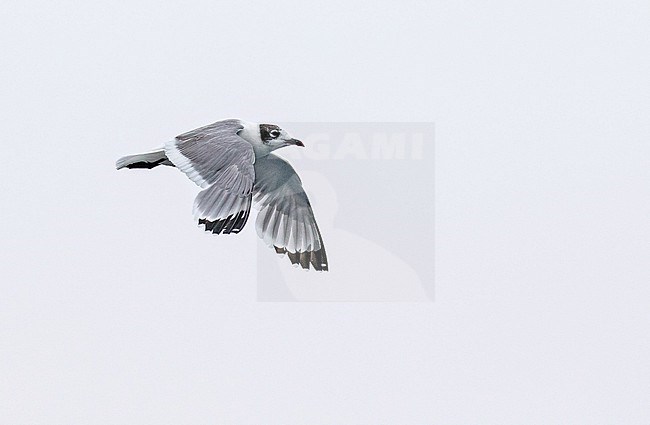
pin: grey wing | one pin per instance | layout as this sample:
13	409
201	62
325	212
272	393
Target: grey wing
286	220
216	158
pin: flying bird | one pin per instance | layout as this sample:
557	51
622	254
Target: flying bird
232	161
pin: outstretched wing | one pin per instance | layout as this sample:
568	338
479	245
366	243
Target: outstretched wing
216	158
286	220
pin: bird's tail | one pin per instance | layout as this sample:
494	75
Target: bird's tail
144	160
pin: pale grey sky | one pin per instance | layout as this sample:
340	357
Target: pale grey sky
114	308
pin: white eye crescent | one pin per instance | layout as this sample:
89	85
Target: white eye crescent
274	133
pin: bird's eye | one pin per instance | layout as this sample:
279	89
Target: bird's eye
274	133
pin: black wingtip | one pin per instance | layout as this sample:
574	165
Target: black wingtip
231	224
317	259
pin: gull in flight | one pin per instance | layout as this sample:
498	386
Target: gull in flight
231	161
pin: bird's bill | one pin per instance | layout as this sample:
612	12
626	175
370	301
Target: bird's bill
295	142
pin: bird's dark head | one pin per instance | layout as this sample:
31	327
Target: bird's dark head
275	137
